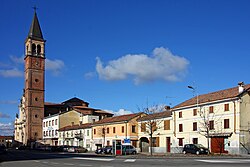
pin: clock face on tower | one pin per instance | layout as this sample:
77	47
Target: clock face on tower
36	63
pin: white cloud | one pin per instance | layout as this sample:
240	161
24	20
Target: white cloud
120	112
6	129
17	60
55	66
11	73
162	65
89	75
3	115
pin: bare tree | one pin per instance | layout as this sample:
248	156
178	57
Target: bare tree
208	121
102	131
152	121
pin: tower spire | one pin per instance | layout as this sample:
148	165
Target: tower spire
35	29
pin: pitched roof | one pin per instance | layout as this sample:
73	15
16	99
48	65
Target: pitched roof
157	115
89	111
75	127
120	118
211	97
35	29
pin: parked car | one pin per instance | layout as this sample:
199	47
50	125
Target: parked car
76	149
107	149
3	149
195	149
21	147
99	151
63	148
128	149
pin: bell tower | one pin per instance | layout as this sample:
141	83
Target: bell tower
34	82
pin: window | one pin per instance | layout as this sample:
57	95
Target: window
226	107
167	125
133	129
52	132
46	133
211	109
194	126
180	141
52	122
180	114
108	143
113	129
56	131
226	123
107	130
94	131
56	122
153	124
46	123
49	123
180	128
143	127
155	141
195	140
194	112
211	125
87	132
103	130
122	129
43	124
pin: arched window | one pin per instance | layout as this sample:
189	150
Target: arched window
38	49
33	48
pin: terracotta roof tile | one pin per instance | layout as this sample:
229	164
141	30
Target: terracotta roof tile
74	127
120	118
211	97
157	115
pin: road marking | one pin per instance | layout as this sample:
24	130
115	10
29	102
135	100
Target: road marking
130	160
224	161
94	159
85	165
54	163
68	164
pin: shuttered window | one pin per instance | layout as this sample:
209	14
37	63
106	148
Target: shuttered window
180	128
226	123
143	127
167	125
194	126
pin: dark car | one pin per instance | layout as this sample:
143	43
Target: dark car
107	149
3	149
195	149
99	150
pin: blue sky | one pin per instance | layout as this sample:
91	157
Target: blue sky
119	55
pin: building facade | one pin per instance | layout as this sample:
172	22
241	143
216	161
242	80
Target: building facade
218	120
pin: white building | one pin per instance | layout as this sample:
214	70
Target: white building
50	130
218	120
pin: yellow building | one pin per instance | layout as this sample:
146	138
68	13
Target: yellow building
116	128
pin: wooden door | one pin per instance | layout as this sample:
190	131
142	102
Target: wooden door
168	144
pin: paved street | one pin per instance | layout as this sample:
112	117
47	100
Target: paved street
42	159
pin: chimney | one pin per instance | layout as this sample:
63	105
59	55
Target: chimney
167	108
241	87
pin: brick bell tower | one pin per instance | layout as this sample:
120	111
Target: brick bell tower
34	82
